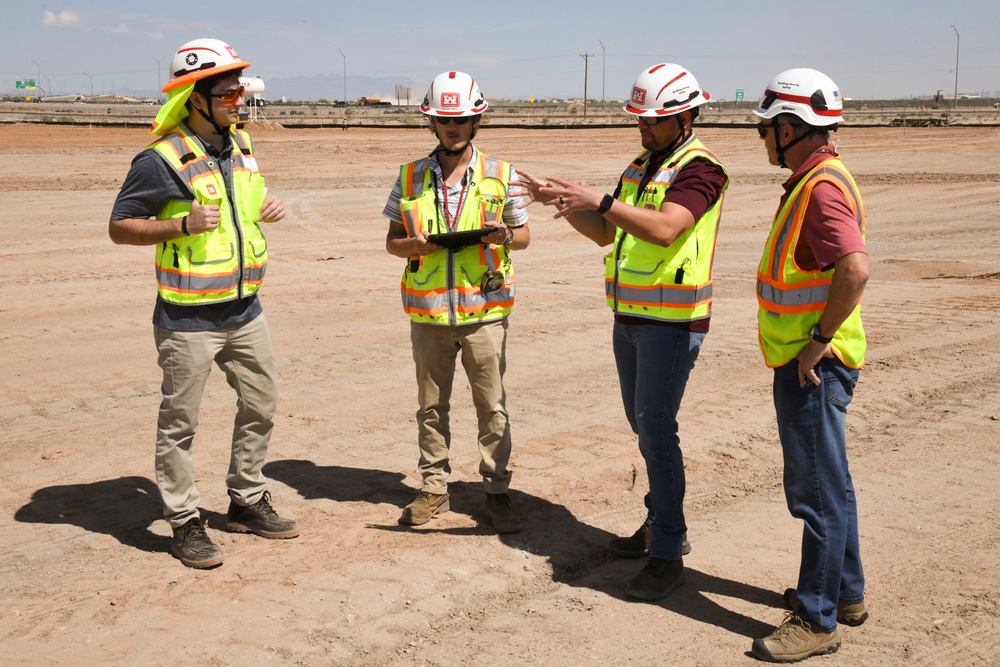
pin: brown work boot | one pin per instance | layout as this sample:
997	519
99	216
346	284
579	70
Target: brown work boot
657	580
193	547
426	506
637	546
795	639
502	514
848	613
260	519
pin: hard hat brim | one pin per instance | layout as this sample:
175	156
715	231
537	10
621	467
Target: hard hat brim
198	75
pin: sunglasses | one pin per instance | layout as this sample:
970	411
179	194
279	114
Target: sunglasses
230	96
650	120
460	120
762	129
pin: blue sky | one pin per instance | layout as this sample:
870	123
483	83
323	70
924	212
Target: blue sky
515	48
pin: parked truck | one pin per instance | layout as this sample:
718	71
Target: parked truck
372	102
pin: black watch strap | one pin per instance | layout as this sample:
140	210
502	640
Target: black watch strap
817	335
606	203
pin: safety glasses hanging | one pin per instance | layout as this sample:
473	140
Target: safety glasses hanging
492	282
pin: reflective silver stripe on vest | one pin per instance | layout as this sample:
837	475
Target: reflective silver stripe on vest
795	296
192	283
659	296
431	303
466	301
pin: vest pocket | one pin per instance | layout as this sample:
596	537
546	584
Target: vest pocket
205	262
421	277
258	247
645	270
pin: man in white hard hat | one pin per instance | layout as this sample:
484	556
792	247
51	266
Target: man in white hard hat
197	196
809	286
451	218
662	221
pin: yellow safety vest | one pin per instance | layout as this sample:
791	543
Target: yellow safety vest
445	288
228	262
790	299
673	283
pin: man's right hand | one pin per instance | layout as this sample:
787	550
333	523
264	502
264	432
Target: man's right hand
203	218
423	246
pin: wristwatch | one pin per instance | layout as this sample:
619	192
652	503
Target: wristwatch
817	335
510	237
606	203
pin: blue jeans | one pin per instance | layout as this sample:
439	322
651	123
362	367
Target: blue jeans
818	487
654	362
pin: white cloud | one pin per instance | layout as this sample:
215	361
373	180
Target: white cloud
61	20
120	29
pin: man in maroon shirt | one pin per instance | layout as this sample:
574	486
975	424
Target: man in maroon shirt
662	219
809	287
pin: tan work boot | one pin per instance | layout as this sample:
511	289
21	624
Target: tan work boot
848	613
426	506
795	639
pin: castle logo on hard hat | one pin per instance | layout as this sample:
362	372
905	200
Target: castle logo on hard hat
639	96
191	59
450	100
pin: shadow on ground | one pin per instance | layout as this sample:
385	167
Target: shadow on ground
575	550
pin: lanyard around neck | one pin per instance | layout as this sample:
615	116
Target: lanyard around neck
448	220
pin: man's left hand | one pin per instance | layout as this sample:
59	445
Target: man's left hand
272	210
808	359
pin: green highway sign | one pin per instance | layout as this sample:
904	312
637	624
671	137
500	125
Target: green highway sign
739	94
25	83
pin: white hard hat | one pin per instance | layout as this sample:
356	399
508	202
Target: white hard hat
664	90
804	92
200	59
453	94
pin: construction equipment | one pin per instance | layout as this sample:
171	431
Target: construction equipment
372	102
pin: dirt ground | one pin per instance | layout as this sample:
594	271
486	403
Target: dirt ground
86	576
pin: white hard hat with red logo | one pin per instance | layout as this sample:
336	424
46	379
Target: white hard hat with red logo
453	94
664	90
200	59
803	92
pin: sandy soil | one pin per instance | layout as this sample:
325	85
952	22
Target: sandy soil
86	576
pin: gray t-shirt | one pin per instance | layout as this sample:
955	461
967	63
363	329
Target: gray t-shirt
149	185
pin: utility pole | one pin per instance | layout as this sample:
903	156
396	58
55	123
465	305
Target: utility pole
603	69
38	75
342	55
158	77
345	76
958	43
586	62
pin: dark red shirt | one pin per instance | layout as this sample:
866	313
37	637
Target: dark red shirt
829	229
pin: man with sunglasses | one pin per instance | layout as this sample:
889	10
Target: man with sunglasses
662	221
196	195
452	219
809	286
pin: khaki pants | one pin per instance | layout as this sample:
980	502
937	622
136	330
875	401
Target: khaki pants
186	357
483	351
